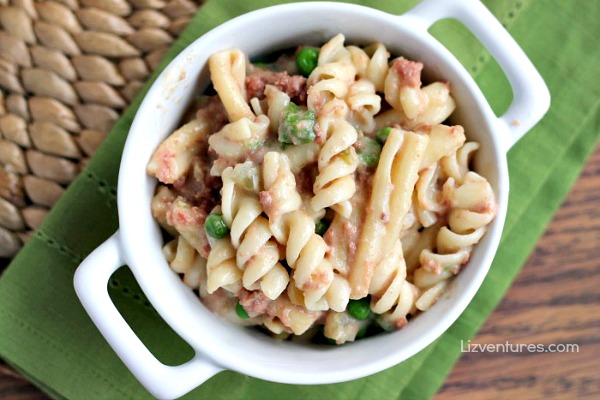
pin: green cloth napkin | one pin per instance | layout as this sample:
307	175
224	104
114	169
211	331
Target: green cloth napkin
45	333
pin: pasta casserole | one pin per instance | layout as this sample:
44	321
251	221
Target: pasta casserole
322	195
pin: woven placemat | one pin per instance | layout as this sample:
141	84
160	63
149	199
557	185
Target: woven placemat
68	69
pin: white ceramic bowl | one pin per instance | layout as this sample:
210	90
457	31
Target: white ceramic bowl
222	345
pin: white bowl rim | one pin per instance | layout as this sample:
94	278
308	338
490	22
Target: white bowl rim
239	361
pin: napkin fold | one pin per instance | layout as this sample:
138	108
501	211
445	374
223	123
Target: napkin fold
47	336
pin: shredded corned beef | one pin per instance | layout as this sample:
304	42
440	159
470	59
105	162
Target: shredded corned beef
293	85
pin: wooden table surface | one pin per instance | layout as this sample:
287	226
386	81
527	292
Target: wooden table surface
555	300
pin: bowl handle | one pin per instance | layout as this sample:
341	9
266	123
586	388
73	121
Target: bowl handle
162	381
531	98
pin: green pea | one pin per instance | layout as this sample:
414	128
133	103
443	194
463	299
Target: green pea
321	227
359	309
306	60
297	126
368	151
241	311
362	332
261	65
215	226
382	134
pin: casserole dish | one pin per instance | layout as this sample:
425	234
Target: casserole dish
221	345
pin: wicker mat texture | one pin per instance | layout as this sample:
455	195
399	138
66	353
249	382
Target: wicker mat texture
68	69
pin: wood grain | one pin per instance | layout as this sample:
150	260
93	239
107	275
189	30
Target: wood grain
15	387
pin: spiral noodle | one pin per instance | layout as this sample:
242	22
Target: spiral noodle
428	200
185	260
257	254
302	155
335	185
221	269
280	195
238	139
472	208
392	295
413	105
364	103
371	63
284	316
444	141
272	106
456	165
332	76
186	219
160	205
473	203
319	287
371	69
246	131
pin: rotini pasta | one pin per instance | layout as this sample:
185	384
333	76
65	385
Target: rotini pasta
371	63
280	196
185	260
221	269
333	75
257	255
174	156
327	197
239	139
335	185
364	103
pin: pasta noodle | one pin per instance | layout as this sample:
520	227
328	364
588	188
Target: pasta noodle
174	156
392	295
313	274
221	269
228	73
332	76
364	103
473	208
394	182
161	202
305	251
185	219
332	205
238	139
257	255
371	63
335	185
185	260
280	196
456	165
